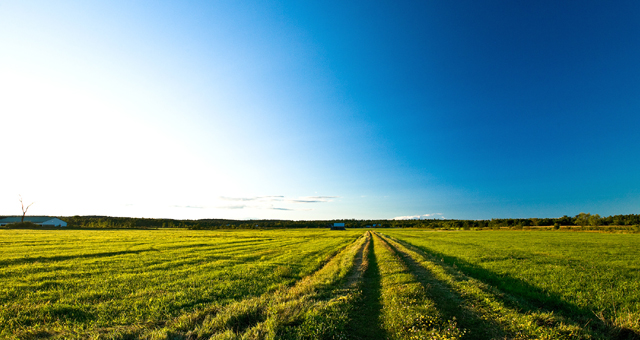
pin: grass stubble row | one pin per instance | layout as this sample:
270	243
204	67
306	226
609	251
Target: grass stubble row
496	306
284	285
316	307
122	284
477	307
407	310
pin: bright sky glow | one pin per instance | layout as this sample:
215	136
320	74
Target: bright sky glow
282	110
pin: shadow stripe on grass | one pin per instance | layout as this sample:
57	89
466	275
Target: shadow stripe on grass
408	313
448	301
366	315
265	316
517	316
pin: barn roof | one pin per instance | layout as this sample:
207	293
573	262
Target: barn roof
34	219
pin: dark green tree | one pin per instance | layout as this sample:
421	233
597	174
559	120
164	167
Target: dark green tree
582	219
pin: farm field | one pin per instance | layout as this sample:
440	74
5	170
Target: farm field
318	284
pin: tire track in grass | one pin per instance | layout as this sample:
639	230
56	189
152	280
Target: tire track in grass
303	310
269	316
360	264
407	312
449	302
331	317
366	317
490	304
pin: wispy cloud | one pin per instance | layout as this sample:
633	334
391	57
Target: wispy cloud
306	201
243	206
268	202
268	199
313	199
238	206
242	199
419	217
256	198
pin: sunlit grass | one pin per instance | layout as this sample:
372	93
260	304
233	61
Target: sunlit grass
318	284
408	312
582	278
76	281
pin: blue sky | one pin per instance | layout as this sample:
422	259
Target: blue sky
293	110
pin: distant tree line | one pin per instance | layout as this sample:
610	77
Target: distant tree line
582	219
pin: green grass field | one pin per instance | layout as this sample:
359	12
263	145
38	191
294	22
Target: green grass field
318	284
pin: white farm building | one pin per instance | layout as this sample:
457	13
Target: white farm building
44	221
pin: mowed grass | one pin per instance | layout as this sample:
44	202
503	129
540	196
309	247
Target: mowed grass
84	283
547	284
318	284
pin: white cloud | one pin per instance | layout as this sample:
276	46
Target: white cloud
257	198
282	203
266	199
241	206
313	199
420	217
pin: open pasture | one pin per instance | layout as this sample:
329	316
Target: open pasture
512	284
90	283
318	284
